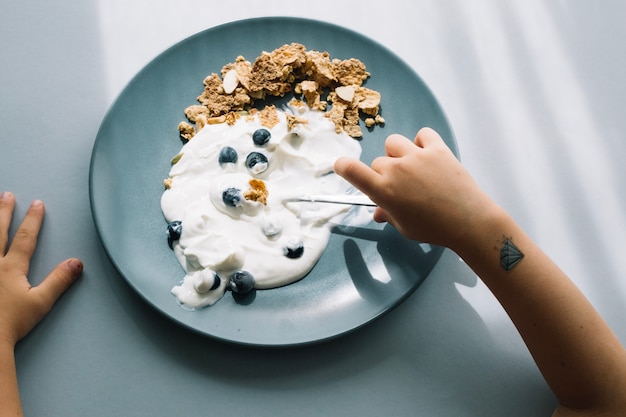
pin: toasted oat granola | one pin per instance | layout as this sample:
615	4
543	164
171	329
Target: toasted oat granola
268	116
257	191
293	121
273	74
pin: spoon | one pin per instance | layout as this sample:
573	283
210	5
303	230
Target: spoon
356	200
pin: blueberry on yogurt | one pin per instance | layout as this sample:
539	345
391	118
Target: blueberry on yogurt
174	230
294	249
228	155
256	162
271	226
232	197
261	136
206	281
241	282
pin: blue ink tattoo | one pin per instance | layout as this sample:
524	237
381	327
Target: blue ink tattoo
510	255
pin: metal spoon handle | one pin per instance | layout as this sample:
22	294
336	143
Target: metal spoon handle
357	200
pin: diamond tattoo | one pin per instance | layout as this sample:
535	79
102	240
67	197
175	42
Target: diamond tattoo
510	255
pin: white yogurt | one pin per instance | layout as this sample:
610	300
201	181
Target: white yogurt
219	238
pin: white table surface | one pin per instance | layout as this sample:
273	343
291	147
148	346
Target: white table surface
536	95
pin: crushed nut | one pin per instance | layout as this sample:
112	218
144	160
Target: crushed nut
216	120
230	81
201	121
243	68
345	92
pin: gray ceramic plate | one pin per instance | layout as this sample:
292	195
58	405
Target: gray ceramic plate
362	274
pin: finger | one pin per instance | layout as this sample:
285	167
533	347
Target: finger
7	205
427	137
398	145
25	239
381	215
56	283
357	173
381	164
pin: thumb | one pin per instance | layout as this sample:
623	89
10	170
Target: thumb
58	281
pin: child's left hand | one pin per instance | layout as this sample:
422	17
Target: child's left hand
22	306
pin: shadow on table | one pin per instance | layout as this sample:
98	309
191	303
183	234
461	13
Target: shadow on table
400	265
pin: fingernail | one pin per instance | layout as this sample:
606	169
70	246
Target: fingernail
76	265
5	194
37	203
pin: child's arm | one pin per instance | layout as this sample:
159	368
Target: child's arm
423	190
23	306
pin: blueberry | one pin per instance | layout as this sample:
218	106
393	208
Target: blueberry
232	197
227	155
294	250
256	162
205	281
174	230
271	226
261	136
241	282
217	281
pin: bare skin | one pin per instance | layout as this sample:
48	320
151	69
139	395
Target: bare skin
424	191
23	305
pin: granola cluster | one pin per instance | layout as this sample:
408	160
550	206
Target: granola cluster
311	74
257	191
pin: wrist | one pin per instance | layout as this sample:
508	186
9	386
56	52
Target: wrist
7	354
487	225
7	342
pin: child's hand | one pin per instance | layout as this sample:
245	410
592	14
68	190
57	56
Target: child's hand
420	188
21	305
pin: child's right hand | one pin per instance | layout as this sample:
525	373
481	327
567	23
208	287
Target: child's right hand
421	189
